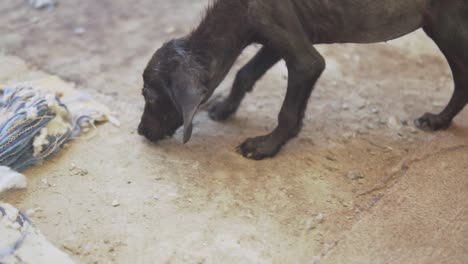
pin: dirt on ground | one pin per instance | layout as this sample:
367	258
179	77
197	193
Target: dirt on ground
359	185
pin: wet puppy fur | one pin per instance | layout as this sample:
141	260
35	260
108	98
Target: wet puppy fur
184	72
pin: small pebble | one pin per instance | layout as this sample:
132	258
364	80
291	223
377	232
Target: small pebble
79	30
31	212
41	4
315	260
46	182
115	203
362	105
354	175
413	130
170	30
314	222
348	135
394	123
320	217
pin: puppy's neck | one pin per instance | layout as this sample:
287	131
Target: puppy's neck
220	38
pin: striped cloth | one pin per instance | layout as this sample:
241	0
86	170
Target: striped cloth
34	126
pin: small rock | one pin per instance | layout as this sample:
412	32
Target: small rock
31	212
395	169
79	30
354	175
314	222
362	132
78	171
348	135
361	103
413	130
251	108
315	260
115	203
35	20
356	58
170	30
41	4
320	217
46	182
394	123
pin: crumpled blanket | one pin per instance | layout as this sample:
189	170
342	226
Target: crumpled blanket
22	242
38	118
33	126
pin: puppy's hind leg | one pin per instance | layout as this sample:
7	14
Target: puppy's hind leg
449	30
244	82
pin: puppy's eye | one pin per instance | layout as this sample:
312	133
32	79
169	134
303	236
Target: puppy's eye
149	95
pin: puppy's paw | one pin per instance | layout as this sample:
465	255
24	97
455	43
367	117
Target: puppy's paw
221	110
431	122
260	148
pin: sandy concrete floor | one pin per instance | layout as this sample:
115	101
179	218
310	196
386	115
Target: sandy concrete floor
202	202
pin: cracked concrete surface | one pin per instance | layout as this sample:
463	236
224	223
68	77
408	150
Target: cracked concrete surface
202	202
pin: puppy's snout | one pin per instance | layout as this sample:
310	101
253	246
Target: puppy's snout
141	130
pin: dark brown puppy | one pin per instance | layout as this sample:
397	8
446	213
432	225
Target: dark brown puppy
184	72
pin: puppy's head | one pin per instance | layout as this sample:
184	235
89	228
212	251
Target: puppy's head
173	90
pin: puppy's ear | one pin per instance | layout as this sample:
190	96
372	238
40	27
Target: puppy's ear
189	101
188	95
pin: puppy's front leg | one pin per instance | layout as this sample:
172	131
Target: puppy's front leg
305	65
300	85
